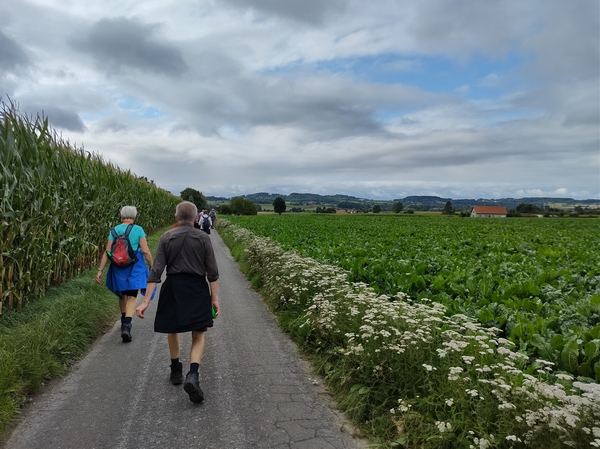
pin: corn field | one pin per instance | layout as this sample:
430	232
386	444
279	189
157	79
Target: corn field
58	205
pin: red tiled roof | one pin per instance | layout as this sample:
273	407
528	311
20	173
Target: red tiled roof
490	210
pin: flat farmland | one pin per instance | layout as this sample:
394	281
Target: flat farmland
537	280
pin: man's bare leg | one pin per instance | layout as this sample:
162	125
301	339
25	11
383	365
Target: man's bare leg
173	340
197	347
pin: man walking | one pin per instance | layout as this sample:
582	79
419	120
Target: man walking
213	216
186	299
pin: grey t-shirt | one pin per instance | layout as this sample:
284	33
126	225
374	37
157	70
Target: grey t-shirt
184	249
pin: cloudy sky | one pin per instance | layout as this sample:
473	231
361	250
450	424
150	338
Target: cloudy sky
379	99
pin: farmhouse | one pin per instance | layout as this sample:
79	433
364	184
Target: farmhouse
489	211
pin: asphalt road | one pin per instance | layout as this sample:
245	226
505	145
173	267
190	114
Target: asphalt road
259	393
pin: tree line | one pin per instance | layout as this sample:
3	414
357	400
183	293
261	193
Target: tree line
241	205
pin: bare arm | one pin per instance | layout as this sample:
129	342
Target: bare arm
103	262
146	251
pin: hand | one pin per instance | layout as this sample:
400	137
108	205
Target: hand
215	304
98	277
141	309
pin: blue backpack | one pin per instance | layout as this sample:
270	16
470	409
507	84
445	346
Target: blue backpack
205	222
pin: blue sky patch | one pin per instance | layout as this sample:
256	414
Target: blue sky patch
479	77
137	109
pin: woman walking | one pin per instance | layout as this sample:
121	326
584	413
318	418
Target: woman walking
126	282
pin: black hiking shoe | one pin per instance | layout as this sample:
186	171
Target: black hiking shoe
126	332
176	376
192	387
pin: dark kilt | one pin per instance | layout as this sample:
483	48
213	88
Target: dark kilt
184	305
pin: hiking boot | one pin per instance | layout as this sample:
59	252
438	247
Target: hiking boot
192	387
176	376
126	332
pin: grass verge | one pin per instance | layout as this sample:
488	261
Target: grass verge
48	335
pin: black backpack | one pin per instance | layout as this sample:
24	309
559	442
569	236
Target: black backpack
121	253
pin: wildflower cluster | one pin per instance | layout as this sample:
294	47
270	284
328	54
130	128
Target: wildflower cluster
459	382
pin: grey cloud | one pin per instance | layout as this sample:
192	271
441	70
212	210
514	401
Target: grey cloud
578	102
461	27
323	108
58	117
12	55
111	125
7	88
567	47
320	118
309	11
123	43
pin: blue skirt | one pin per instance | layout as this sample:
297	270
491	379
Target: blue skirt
134	277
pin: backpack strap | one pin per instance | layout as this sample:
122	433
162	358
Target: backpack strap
113	231
128	230
169	261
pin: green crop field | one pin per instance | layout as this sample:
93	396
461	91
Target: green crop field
538	280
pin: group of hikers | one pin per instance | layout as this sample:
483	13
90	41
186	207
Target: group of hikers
206	220
188	300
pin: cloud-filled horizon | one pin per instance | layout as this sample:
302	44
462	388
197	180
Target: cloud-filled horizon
376	100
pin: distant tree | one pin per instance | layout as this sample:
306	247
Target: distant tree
526	208
397	207
279	205
350	205
448	208
194	196
224	209
242	206
325	210
376	209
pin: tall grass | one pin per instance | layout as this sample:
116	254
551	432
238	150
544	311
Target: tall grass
57	206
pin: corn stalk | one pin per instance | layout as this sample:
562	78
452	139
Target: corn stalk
58	205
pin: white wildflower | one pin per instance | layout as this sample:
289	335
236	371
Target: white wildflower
563	376
443	426
506	406
483	443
